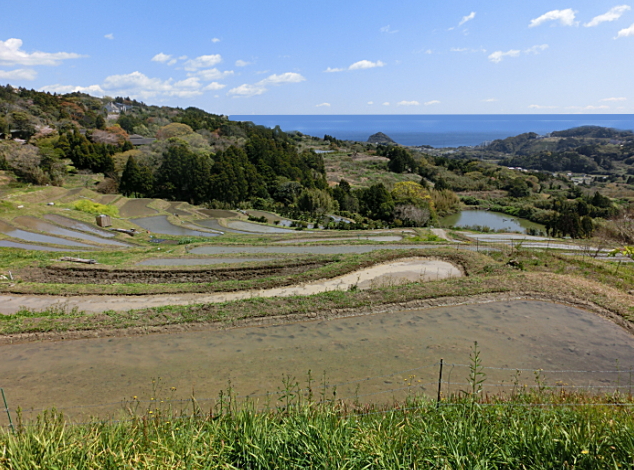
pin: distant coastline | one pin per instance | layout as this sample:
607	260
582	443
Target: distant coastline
437	130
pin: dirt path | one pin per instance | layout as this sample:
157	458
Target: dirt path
441	233
392	273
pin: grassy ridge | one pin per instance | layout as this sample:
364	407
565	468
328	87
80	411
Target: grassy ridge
538	430
546	275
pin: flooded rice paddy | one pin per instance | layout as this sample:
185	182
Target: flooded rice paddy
306	250
78	225
215	225
255	228
370	357
197	261
34	223
392	273
160	224
218	213
375	238
13	232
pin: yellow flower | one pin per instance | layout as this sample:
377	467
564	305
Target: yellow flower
585	451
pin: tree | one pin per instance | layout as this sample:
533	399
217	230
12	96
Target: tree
518	188
131	178
377	202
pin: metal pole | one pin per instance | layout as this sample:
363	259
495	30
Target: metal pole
439	385
4	399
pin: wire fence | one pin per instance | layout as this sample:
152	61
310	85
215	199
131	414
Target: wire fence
598	382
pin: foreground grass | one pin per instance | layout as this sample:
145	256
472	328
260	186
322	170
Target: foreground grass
539	430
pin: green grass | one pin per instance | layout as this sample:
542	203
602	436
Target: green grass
537	430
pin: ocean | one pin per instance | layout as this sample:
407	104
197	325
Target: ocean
439	130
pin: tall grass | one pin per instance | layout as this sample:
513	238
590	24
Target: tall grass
538	430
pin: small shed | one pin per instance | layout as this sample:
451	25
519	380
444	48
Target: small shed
103	220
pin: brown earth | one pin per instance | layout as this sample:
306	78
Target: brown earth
102	275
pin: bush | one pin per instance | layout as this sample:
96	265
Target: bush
95	208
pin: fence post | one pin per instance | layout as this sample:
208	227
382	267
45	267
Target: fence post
6	407
439	384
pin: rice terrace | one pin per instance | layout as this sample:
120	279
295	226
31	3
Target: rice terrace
179	289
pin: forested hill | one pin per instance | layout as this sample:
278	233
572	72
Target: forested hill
189	154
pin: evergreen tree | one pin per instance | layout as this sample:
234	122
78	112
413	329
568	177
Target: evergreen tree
131	180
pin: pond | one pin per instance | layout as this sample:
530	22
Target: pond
493	220
371	357
160	224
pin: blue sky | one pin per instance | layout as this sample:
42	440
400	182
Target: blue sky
329	57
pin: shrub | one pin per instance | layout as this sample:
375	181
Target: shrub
95	208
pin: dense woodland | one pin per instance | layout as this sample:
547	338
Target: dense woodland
207	159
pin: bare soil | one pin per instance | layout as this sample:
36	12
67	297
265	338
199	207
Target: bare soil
102	275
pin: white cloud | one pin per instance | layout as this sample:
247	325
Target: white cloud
214	86
387	103
620	98
490	100
288	77
624	33
365	64
139	85
370	102
388	30
499	55
18	74
247	90
109	36
565	17
94	90
160	57
330	70
612	15
214	40
323	105
11	54
202	62
429	103
469	17
591	107
211	74
536	49
459	49
242	63
408	103
538	106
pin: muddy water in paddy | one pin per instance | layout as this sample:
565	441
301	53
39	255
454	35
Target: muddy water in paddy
160	224
382	348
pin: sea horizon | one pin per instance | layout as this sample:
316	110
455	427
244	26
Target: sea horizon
436	130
